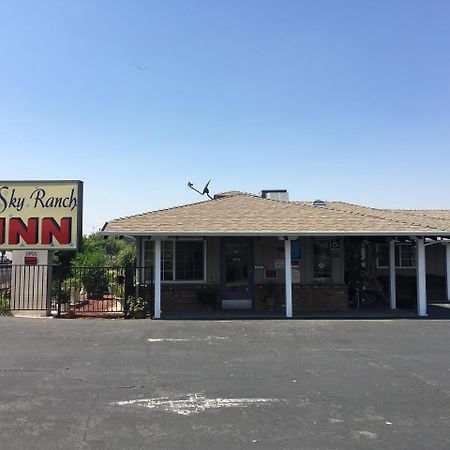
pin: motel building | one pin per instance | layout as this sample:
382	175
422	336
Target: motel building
263	254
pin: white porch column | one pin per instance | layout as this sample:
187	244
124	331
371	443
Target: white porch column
288	266
392	276
447	272
421	278
157	270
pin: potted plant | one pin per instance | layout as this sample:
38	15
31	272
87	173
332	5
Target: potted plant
137	307
208	297
61	301
270	291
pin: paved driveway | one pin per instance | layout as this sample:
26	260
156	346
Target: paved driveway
98	384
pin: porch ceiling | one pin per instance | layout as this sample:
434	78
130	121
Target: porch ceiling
238	213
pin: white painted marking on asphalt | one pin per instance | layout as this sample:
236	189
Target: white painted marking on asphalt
193	339
195	403
335	420
366	434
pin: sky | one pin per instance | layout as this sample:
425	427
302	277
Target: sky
333	99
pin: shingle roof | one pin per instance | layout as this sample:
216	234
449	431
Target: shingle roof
241	213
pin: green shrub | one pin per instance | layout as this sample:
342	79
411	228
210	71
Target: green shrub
126	256
90	269
137	306
5	308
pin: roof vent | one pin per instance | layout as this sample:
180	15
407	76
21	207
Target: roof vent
275	194
319	204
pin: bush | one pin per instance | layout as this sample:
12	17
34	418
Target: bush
90	269
90	266
137	307
5	308
95	280
126	256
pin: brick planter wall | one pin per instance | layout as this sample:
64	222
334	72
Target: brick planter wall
320	297
182	297
305	297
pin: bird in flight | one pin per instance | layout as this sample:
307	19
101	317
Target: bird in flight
142	68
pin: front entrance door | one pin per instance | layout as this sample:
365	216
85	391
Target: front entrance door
237	273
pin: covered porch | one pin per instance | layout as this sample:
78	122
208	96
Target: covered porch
314	276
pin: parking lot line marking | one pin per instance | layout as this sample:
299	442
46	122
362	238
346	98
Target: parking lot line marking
193	339
194	403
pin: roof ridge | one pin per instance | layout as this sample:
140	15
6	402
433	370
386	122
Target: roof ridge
391	219
233	194
418	210
250	194
155	211
423	210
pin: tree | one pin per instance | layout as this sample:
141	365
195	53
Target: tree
92	264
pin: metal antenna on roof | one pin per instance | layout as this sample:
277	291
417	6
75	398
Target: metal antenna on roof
205	189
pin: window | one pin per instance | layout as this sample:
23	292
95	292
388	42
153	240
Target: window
383	255
322	259
405	255
189	260
167	263
180	260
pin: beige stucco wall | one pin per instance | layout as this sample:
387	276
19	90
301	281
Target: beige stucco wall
435	259
266	251
213	260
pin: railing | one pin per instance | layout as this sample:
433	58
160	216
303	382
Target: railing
104	291
75	291
26	287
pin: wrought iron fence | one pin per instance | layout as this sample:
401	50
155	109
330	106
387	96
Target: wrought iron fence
104	291
25	287
76	291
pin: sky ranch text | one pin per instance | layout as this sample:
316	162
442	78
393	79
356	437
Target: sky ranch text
37	199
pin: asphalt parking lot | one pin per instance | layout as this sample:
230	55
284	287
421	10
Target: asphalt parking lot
270	384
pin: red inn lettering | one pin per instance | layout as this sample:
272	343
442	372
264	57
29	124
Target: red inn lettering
62	233
2	231
49	230
18	229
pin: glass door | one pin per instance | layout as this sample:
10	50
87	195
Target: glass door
237	273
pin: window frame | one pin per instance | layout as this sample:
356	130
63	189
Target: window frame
174	241
398	255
